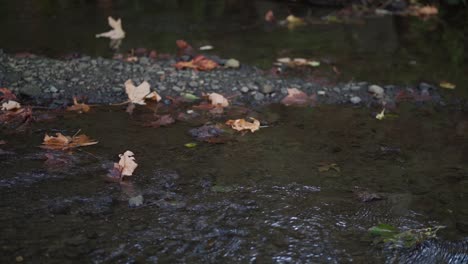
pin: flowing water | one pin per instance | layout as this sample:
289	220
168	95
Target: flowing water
260	198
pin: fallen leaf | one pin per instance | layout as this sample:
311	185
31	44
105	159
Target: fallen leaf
137	95
164	120
190	145
242	124
328	166
20	117
198	63
116	33
78	107
183	48
218	100
62	142
207	47
6	94
447	85
269	16
10	105
127	163
380	115
296	97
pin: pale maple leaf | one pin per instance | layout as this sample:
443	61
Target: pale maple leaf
137	95
218	100
242	124
10	105
116	32
127	163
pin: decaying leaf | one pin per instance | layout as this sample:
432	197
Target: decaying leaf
293	21
183	48
62	142
19	118
242	124
116	33
79	107
381	115
6	94
163	120
218	100
137	95
10	105
269	16
198	63
447	85
328	166
296	97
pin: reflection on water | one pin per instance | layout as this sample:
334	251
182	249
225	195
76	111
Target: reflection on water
389	49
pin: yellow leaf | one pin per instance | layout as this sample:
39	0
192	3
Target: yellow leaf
242	124
447	85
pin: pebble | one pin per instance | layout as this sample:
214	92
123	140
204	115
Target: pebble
259	96
232	63
177	89
321	92
377	91
245	89
355	100
266	89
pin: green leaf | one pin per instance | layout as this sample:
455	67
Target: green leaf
189	96
383	230
190	145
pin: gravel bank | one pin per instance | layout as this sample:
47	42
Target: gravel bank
101	81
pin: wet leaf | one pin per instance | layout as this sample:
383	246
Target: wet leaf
269	16
190	97
190	145
406	239
6	94
79	107
10	105
218	100
380	115
323	167
242	124
383	230
198	63
447	85
62	142
127	163
183	48
206	47
294	21
116	33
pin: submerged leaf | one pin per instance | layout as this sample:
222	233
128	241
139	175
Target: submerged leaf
296	97
62	142
79	107
447	85
328	166
190	145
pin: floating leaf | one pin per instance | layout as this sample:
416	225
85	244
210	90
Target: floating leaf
137	95
190	145
447	85
218	100
79	107
380	115
116	33
328	166
383	230
127	163
242	124
62	142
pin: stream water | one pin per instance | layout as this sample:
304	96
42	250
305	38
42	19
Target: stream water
264	197
260	198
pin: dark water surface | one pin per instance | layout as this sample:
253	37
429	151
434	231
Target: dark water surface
257	199
399	50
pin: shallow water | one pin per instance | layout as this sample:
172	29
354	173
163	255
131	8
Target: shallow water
259	198
398	50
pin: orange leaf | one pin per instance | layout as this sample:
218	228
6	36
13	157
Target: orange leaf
242	124
198	63
78	107
7	94
62	142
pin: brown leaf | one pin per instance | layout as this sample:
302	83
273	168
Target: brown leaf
78	107
164	120
328	166
269	16
7	94
62	142
242	124
183	48
198	63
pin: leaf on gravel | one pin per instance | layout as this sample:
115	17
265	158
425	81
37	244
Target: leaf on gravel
137	95
116	32
447	85
62	142
6	94
218	100
323	167
242	124
296	97
10	105
163	120
198	63
79	107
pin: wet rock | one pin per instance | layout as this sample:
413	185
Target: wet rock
259	96
267	89
355	99
244	89
31	90
232	63
135	201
